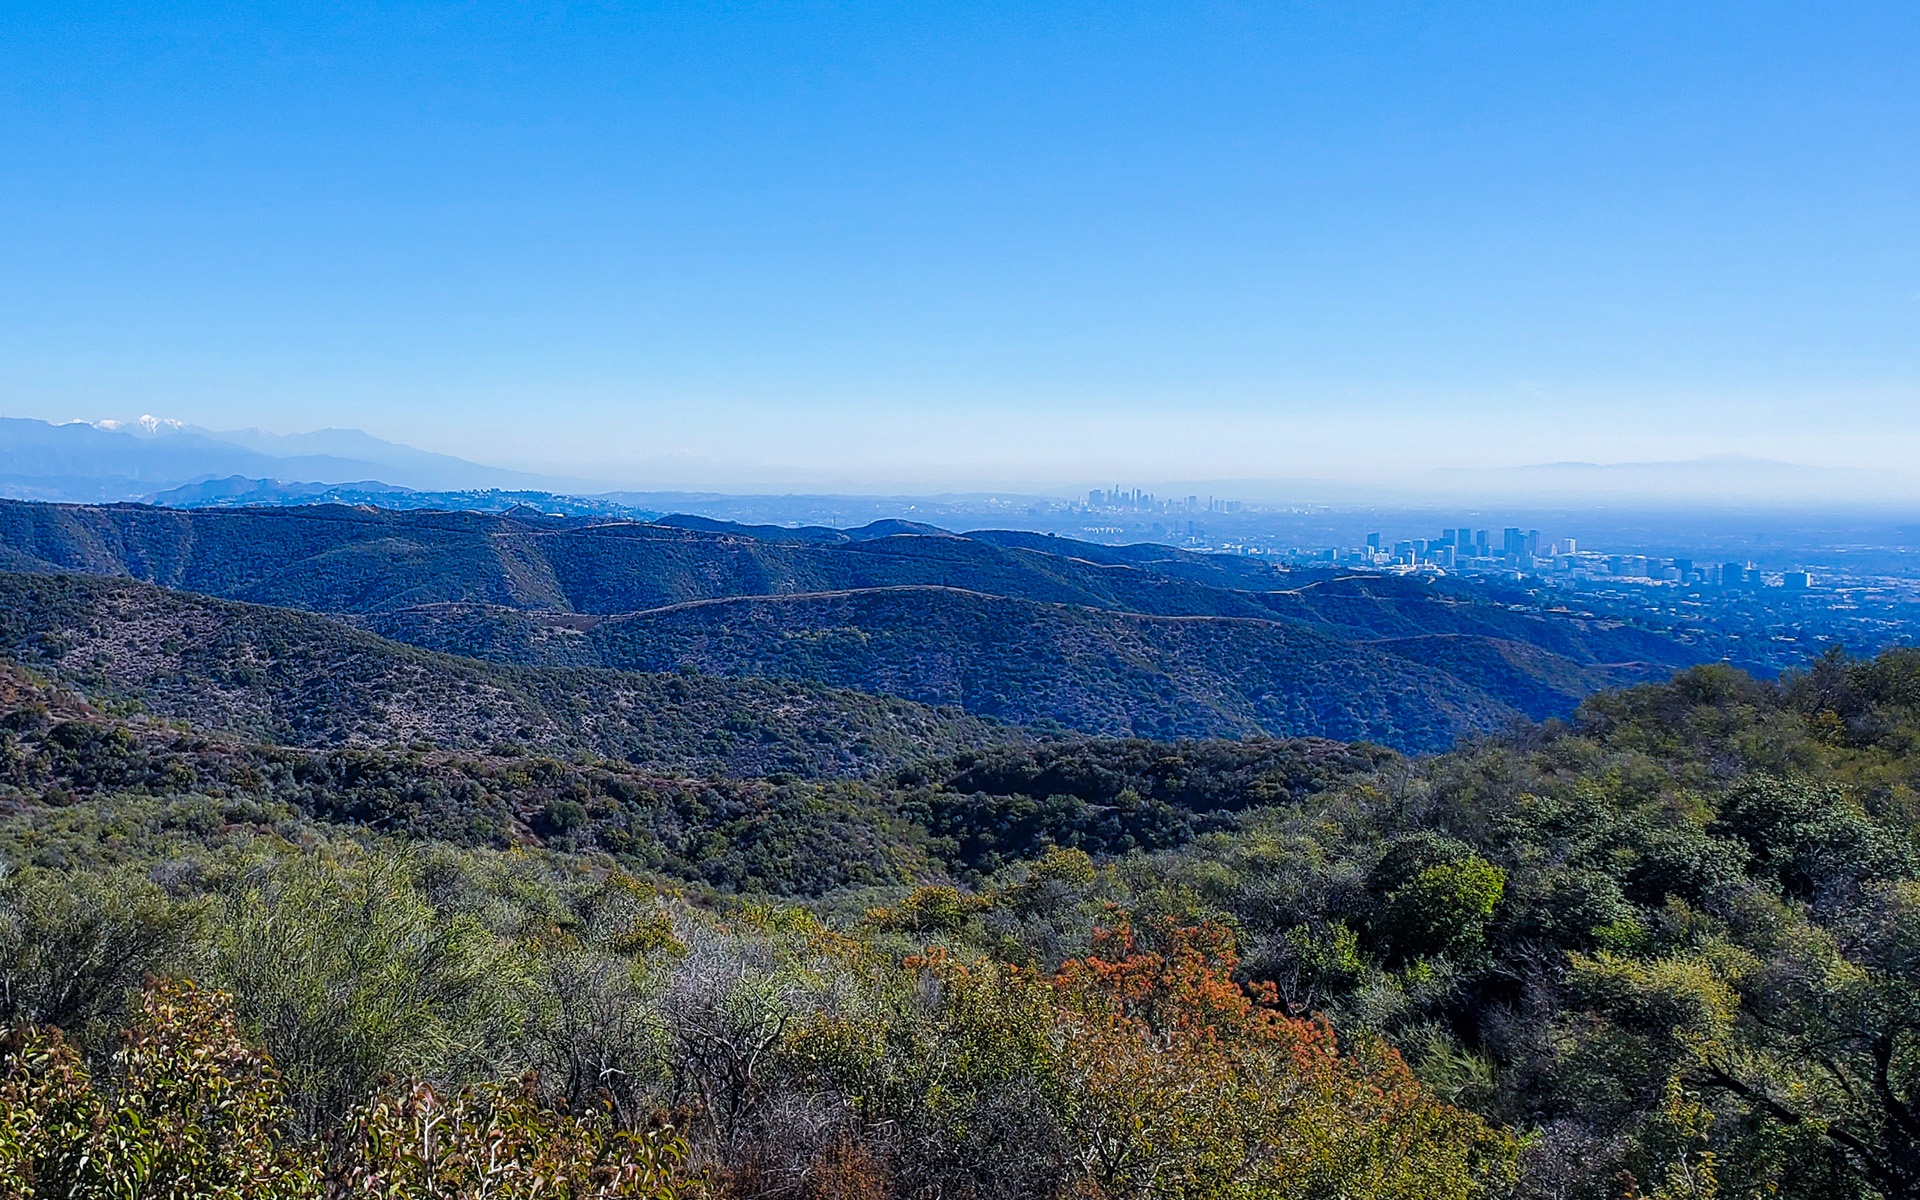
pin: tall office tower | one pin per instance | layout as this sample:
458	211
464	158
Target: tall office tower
1533	542
1573	547
1096	498
1373	542
1512	541
1482	544
1463	540
1733	574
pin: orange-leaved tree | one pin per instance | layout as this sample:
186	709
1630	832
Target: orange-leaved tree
1183	1083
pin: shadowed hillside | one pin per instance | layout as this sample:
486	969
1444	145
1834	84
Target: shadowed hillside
1090	669
309	681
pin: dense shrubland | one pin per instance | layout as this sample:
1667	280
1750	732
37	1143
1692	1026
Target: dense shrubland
82	784
1670	948
753	1052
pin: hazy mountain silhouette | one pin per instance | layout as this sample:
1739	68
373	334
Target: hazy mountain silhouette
135	460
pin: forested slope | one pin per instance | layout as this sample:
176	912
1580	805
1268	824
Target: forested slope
784	835
1088	669
302	679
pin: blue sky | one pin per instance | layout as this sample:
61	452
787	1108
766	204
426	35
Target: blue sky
956	245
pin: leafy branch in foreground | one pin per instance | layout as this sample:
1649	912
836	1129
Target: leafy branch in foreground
193	1112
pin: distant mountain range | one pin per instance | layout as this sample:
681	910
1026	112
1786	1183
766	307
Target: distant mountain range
1025	629
237	491
138	460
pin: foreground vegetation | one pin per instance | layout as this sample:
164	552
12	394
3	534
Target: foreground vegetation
787	1059
1670	948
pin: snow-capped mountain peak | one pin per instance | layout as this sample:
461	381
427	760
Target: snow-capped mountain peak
144	425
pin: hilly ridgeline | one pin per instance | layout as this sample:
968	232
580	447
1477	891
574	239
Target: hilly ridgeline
1033	630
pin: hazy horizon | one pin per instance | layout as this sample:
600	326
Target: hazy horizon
1715	481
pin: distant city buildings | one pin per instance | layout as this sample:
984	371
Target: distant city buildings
1137	500
1521	551
1515	552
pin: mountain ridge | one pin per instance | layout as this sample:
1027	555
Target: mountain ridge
306	680
1095	671
88	462
1045	632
